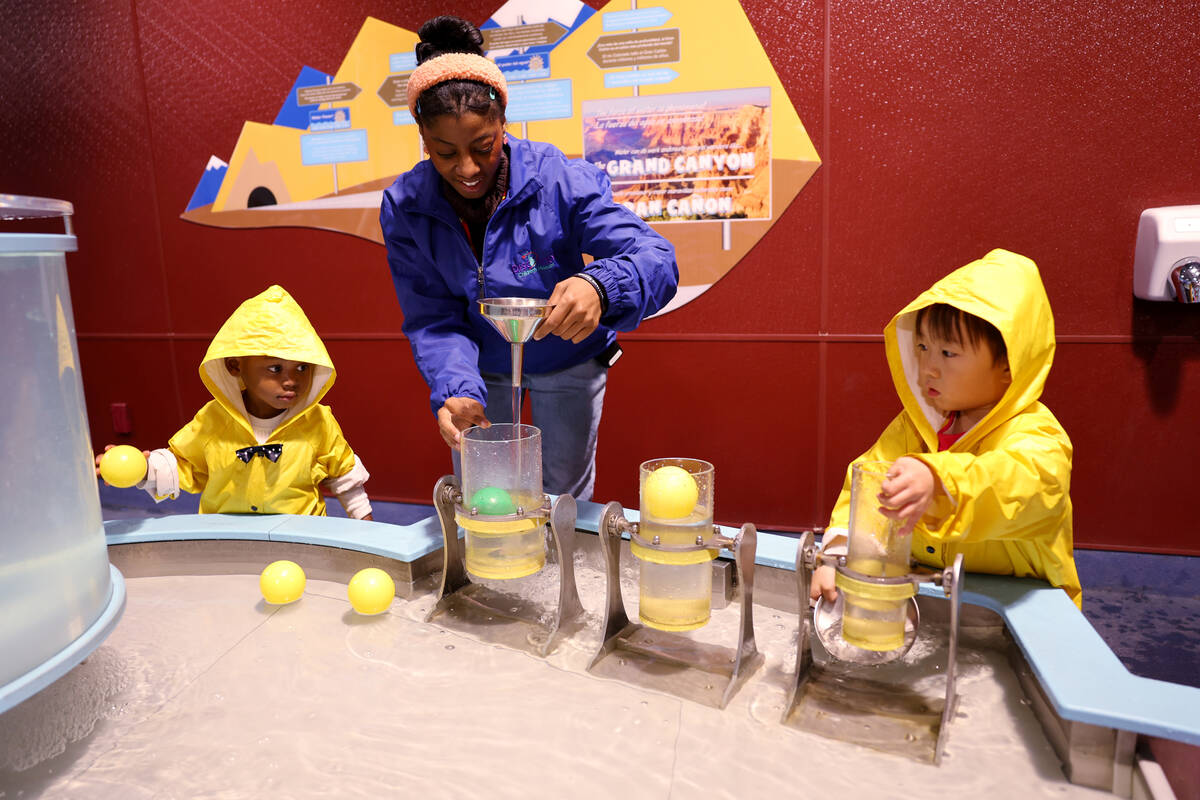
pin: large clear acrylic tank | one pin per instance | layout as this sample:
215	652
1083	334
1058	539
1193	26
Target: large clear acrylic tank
59	597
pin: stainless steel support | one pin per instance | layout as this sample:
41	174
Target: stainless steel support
806	553
952	586
808	559
493	616
671	662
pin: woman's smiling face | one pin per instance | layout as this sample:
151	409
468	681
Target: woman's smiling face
465	150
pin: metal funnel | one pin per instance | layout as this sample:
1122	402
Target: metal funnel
515	317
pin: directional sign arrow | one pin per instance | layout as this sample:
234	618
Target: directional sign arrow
326	93
631	49
394	90
521	36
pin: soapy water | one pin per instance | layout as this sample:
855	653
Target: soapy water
204	690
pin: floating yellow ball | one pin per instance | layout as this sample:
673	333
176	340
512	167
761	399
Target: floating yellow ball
371	591
282	582
670	493
123	466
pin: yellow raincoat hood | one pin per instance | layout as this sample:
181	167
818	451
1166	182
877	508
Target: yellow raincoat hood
308	444
268	324
1004	499
1005	289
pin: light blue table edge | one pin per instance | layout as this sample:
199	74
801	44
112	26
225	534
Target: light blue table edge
21	689
1082	678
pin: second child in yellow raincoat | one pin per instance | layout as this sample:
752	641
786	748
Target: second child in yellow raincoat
979	465
264	444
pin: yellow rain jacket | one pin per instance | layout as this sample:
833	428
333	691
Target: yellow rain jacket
1005	484
313	447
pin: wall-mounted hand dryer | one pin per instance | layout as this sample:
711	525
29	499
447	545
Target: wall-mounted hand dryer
1166	260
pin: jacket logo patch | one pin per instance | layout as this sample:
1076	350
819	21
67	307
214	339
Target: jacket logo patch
529	263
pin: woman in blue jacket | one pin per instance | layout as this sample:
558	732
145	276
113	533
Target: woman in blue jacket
489	215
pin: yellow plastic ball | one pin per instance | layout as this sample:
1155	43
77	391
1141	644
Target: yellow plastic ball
670	493
282	582
371	591
123	466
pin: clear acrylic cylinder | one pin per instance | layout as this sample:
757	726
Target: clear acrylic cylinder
504	518
675	588
874	620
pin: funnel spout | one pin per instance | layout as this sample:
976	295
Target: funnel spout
515	318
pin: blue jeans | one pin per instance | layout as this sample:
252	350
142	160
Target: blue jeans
566	406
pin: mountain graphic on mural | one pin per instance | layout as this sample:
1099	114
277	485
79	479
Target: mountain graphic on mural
339	140
210	183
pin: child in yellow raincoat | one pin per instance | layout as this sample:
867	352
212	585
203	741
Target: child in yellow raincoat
978	465
264	444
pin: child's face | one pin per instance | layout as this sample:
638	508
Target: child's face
960	376
465	151
273	385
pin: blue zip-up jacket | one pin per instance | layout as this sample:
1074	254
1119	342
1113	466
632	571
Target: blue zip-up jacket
556	210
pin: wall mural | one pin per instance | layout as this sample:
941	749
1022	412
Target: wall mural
678	103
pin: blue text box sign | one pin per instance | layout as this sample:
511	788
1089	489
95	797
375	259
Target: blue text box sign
525	67
403	117
333	148
637	18
640	77
539	100
331	119
402	62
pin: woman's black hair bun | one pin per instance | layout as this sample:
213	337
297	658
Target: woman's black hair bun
447	34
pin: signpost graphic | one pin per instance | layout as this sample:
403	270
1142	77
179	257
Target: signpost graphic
326	93
333	148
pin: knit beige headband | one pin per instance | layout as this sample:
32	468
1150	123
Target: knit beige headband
456	67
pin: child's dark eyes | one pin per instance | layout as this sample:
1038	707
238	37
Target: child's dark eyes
302	368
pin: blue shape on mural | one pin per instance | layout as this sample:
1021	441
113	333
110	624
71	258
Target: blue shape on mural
539	100
209	185
333	148
634	19
402	62
524	67
291	114
639	77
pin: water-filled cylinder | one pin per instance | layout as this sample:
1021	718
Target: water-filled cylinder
676	509
879	548
501	476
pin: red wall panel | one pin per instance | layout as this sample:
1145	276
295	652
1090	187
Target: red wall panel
945	129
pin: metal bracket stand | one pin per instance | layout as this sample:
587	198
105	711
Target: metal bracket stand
877	696
670	662
494	616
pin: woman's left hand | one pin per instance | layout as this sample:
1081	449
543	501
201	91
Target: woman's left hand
575	313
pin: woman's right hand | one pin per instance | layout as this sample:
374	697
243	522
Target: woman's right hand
456	415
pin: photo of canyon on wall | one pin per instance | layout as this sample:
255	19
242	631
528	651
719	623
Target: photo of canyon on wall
685	157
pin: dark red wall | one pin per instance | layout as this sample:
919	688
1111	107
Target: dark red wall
945	128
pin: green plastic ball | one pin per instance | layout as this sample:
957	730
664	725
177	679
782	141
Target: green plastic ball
493	502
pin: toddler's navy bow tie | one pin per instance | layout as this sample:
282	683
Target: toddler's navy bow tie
271	451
